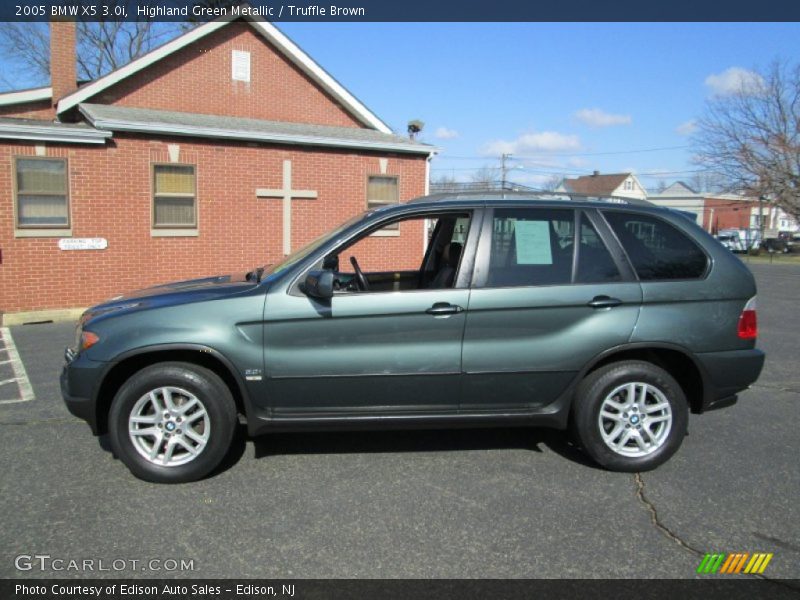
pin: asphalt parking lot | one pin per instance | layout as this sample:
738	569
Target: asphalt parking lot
498	503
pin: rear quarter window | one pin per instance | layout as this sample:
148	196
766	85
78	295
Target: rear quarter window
657	249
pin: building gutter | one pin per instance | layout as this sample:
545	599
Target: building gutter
250	136
52	133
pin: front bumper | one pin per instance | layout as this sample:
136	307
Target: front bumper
728	373
80	379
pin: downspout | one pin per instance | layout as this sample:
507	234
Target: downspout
426	223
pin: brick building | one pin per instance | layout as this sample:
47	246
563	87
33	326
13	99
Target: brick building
713	212
224	149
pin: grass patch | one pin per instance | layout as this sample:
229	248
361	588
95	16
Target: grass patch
775	259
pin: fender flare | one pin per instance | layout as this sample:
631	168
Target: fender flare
216	354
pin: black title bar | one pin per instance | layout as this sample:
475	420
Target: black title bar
411	589
403	10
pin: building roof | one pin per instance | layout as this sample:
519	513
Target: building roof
269	32
679	189
161	122
595	185
50	131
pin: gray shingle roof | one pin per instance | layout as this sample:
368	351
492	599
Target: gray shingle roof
118	118
601	185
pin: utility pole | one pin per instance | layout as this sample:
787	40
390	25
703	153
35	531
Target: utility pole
503	170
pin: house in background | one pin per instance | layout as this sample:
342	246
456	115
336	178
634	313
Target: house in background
614	185
715	212
224	149
681	196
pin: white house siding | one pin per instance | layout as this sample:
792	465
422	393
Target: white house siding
637	190
693	204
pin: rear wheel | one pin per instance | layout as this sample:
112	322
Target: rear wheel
172	422
630	416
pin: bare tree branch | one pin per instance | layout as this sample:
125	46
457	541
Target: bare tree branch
29	43
101	46
751	138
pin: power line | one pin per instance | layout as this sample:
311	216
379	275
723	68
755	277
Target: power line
559	171
562	153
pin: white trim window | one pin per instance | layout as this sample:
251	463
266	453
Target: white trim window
42	193
174	196
381	191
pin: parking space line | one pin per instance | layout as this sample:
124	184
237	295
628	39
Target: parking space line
20	375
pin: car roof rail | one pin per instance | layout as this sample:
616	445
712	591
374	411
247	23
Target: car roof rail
538	195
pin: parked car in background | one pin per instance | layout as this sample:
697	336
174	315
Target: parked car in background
739	240
790	238
777	245
729	241
611	320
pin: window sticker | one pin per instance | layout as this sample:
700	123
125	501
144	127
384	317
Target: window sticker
533	243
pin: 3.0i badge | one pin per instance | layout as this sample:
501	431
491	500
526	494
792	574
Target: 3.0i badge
252	374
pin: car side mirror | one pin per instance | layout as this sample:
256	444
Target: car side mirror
319	284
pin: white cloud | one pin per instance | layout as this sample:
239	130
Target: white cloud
687	128
535	179
595	117
541	141
443	133
577	162
734	80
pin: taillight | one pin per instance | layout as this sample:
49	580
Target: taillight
748	324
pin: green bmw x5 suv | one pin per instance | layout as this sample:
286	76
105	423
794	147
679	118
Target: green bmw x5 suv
611	320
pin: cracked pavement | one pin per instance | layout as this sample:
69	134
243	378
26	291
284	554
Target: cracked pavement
498	503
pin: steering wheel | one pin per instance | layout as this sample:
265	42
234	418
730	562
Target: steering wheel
361	281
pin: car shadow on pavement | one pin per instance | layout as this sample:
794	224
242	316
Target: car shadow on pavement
439	440
365	442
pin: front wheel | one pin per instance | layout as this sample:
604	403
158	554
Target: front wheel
630	416
172	422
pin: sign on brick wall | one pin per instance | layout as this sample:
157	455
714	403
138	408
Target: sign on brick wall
83	244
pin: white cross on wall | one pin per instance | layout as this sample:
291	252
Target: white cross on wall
287	194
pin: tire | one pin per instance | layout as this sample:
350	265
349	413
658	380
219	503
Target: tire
197	418
657	426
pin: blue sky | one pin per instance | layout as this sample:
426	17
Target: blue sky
565	98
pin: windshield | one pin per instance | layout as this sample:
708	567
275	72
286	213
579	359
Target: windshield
303	252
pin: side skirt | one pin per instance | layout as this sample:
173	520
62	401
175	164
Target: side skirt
553	416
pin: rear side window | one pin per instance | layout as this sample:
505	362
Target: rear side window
657	249
531	247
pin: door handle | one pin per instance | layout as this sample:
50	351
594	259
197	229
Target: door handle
444	308
604	302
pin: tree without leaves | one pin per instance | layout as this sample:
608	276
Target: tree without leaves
102	46
445	183
751	138
707	182
486	175
551	183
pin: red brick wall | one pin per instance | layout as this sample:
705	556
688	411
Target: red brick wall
197	79
727	214
63	66
111	198
29	110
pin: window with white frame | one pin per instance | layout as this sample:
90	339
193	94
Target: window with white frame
383	190
174	196
41	190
